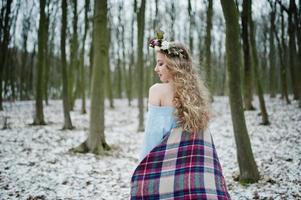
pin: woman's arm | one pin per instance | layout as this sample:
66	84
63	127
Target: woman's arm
154	127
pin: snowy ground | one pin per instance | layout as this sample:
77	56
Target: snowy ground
35	162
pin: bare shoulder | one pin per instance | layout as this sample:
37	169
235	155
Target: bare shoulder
154	94
158	92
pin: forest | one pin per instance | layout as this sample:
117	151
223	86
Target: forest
75	78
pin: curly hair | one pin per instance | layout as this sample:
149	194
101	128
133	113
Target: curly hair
191	97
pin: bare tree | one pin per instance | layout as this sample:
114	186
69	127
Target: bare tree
5	31
208	64
264	114
281	51
247	165
42	42
248	80
96	142
66	104
140	65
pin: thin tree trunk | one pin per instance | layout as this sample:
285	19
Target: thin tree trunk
247	165
208	46
272	57
42	42
73	68
5	30
282	63
82	63
95	142
25	30
298	21
132	60
140	65
66	104
191	28
172	13
47	56
264	114
248	82
292	47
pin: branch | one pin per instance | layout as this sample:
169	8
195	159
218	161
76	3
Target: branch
282	6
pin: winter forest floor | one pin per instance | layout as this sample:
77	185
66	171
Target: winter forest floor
35	162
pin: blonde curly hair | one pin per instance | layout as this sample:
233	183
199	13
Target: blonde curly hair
191	97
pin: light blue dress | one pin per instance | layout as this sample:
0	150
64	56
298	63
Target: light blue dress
160	120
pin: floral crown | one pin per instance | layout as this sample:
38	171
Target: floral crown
158	44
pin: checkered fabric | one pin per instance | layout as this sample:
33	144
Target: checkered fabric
183	166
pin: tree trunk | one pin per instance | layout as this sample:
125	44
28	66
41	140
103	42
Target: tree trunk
292	48
191	28
25	30
73	68
95	142
140	64
281	53
132	60
208	46
248	81
47	56
82	62
5	30
272	57
264	114
66	104
298	21
247	166
42	42
172	13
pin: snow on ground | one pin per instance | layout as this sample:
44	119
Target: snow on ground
35	162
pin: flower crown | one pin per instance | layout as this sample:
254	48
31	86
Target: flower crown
158	44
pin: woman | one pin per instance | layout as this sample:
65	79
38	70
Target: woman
178	159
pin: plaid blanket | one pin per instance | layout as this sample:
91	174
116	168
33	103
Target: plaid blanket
183	166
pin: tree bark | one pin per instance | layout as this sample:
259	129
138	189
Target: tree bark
248	81
264	114
140	64
82	60
66	104
298	21
73	67
132	60
47	55
23	72
5	30
247	165
281	53
42	42
272	57
292	47
191	28
95	142
172	13
208	46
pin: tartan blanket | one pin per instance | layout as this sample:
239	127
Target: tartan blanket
183	166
